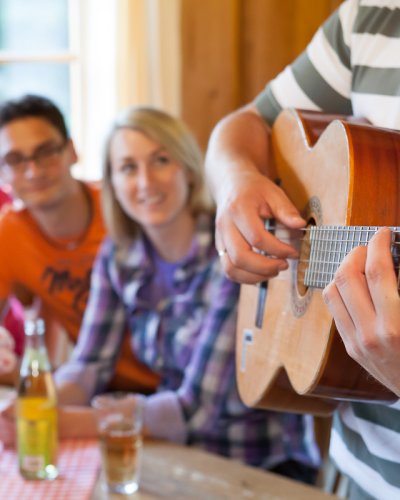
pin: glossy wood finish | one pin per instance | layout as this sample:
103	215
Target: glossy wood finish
349	176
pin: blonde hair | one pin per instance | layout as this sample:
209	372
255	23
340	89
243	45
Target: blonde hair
175	137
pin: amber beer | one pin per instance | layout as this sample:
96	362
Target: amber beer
36	408
119	423
120	448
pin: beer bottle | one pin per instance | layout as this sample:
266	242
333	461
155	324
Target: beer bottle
37	436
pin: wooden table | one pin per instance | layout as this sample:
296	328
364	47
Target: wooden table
185	473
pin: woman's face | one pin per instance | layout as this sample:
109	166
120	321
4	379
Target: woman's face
151	186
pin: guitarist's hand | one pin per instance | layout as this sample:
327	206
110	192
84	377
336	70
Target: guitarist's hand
239	175
365	303
244	201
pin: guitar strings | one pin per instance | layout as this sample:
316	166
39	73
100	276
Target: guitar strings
332	240
303	272
334	254
371	229
326	240
320	278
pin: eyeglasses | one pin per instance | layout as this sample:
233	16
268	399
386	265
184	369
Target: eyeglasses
44	156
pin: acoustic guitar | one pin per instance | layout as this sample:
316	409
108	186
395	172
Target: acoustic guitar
344	178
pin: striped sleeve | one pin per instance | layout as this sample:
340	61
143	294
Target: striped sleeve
365	444
376	62
320	78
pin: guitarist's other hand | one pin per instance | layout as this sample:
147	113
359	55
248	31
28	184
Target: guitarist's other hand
245	200
364	301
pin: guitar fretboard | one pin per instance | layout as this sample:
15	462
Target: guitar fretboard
329	245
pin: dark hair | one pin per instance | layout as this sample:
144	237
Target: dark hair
33	106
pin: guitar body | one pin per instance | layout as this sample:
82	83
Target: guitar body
336	173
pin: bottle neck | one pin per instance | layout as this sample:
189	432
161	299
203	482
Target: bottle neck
34	334
35	354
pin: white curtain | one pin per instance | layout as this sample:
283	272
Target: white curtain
129	53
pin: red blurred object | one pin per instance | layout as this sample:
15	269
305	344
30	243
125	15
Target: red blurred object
4	196
14	320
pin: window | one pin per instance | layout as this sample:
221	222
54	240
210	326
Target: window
91	57
36	57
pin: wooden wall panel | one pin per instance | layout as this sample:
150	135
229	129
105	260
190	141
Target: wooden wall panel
273	33
210	62
231	48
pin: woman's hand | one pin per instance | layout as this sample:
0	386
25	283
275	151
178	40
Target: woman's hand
75	422
8	360
7	423
364	301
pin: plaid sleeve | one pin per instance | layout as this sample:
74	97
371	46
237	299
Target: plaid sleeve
101	334
210	374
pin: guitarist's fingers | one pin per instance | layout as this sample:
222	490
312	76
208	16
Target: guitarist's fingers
374	339
247	216
241	263
284	211
349	300
380	275
254	232
343	320
250	278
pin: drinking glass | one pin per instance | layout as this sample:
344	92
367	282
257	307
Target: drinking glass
119	425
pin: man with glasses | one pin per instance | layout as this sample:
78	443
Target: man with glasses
49	241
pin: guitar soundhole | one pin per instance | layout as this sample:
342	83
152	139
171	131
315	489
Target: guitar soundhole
301	293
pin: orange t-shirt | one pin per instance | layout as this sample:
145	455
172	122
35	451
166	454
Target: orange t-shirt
32	265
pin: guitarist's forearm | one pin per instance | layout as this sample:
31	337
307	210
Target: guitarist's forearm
239	142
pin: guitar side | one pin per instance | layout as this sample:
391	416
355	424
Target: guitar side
350	176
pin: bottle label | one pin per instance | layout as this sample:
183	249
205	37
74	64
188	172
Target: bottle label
37	434
33	463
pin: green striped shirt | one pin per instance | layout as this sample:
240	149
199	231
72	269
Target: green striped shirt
352	66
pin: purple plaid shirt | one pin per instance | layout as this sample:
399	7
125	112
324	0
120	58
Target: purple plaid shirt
188	337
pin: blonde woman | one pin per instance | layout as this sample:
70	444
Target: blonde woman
159	274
